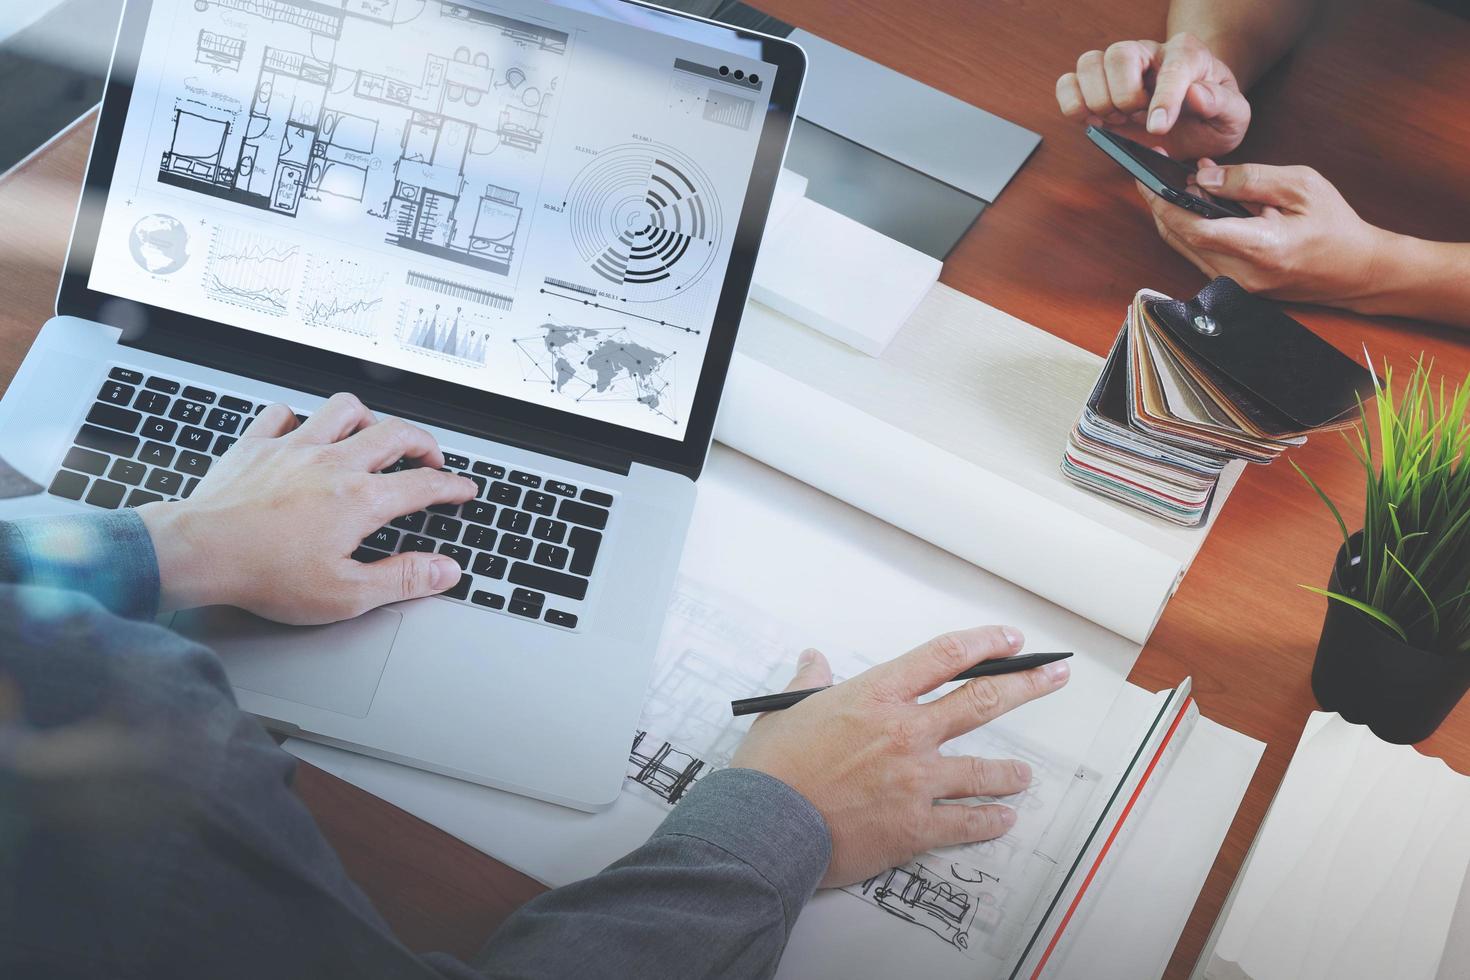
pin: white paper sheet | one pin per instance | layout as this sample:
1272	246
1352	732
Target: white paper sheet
797	568
1359	871
839	276
1040	544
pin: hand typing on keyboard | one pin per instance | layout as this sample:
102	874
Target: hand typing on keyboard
273	525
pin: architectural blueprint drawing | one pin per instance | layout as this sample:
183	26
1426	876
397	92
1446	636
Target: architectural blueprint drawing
974	898
458	177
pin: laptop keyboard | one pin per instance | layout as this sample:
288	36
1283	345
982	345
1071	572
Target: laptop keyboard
527	543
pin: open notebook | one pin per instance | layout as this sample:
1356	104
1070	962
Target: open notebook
1133	791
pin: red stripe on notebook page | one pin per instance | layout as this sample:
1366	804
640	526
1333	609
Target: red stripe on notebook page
1092	872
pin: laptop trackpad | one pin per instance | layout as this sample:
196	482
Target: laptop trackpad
333	667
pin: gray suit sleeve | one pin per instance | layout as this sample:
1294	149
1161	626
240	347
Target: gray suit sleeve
714	892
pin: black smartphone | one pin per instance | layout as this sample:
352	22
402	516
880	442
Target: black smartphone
1165	177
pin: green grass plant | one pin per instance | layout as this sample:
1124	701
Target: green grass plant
1413	576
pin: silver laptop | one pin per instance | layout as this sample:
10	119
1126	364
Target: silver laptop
529	227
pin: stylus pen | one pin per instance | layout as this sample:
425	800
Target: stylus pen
990	668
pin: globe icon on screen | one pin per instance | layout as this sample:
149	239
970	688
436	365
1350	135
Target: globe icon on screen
159	244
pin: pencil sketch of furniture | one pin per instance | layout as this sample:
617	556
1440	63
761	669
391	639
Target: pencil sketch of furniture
924	898
665	770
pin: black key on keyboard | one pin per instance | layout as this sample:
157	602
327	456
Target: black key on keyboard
539	503
461	589
444	528
461	555
598	497
137	498
504	493
455	462
515	546
85	461
384	538
151	402
578	513
481	485
415	542
548	580
161	429
552	556
71	486
104	441
236	404
192	464
584	545
112	417
491	566
548	530
199	394
489	469
189	486
187	412
488	599
558	618
157	453
126	375
368	555
164	482
164	385
479	513
410	522
198	440
105	494
525	479
524	602
448	510
127	471
222	444
222	421
116	393
514	520
477	536
561	489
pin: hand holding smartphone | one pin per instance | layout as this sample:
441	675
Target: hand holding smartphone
1165	177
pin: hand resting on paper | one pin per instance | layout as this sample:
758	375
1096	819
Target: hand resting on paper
867	755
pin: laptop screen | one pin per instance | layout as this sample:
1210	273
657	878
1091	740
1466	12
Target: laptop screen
534	200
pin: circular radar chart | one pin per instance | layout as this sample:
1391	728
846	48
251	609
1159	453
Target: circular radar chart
645	217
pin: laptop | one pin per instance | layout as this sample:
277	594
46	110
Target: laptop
529	227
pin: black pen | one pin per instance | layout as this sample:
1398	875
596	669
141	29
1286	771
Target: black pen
989	668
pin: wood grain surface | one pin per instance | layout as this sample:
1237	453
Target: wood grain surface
1375	99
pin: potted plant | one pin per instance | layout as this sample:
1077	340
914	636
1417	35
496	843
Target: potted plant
1395	647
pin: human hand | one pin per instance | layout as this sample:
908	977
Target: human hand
1177	96
272	527
867	755
1305	243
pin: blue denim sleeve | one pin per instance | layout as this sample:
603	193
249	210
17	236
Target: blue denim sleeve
108	556
714	892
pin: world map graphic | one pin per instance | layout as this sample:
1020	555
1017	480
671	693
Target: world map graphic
589	364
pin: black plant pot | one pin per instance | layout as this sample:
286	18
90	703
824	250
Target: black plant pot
1371	677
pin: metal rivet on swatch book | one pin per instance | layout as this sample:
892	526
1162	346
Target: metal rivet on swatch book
1206	325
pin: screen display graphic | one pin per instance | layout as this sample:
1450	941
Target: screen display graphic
525	198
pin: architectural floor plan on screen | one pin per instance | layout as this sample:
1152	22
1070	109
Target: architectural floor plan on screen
514	196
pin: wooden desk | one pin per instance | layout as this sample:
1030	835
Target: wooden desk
1375	100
